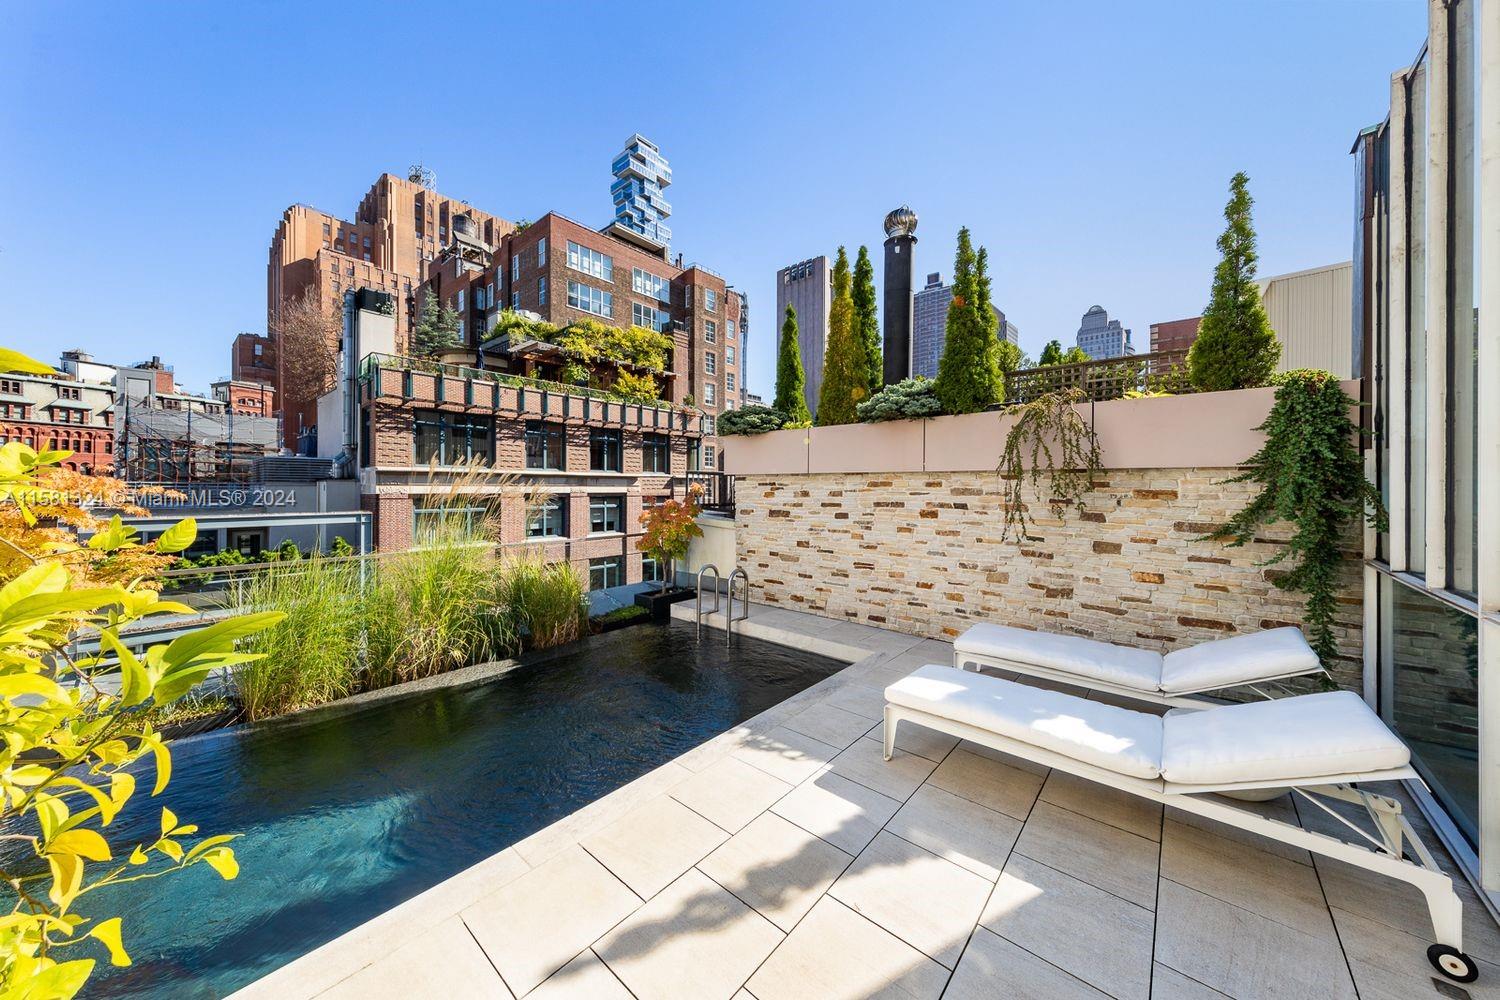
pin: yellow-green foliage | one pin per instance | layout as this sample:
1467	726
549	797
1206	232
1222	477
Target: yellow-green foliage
592	343
68	747
639	388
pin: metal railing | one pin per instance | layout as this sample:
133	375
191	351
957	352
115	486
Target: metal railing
715	490
370	363
1111	378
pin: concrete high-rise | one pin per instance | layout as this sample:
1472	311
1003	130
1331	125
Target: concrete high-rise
1102	337
807	287
900	244
930	326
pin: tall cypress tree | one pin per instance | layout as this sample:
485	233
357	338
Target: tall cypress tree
846	376
791	380
867	320
969	373
1236	347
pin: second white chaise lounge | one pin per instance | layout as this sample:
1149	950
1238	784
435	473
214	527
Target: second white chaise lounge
1176	678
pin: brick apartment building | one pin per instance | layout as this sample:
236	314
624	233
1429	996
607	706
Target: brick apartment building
60	412
245	398
252	358
598	462
1174	335
405	236
565	272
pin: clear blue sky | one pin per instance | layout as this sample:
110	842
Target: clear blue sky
153	148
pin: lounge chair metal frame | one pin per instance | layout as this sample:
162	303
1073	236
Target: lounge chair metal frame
1387	855
1177	699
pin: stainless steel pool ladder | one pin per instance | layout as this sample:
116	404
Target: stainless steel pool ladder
698	606
729	616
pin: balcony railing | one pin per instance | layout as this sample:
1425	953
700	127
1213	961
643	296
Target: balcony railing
482	387
1111	378
716	490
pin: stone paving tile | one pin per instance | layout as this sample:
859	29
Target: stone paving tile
1099	854
860	698
919	740
990	753
442	961
648	848
1391	964
1243	954
1169	984
568	831
730	793
957	829
1261	882
836	954
693	941
842	812
538	923
584	978
898	777
1093	935
828	724
993	968
992	784
1107	805
783	754
1278	809
776	867
925	901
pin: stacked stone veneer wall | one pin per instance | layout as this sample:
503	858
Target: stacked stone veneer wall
922	553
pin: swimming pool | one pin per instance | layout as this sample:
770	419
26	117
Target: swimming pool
346	817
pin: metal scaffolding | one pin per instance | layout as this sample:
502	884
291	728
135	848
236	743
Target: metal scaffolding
163	445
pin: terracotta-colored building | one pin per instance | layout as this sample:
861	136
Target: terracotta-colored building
247	398
252	358
1175	335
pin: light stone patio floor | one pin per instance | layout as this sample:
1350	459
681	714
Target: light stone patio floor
785	860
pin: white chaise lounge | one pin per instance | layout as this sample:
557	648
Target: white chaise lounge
1174	679
1318	745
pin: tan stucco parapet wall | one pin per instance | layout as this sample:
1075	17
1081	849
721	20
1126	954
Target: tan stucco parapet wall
1201	430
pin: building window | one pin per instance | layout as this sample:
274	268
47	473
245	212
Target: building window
651	570
654	285
656	453
729	355
444	438
606	514
10	385
515	300
549	520
604	449
489	295
541	290
708	458
710	300
728	382
646	316
590	299
606	572
515	269
709	392
545	447
729	329
541	252
710	362
710	331
428	523
589	261
460	300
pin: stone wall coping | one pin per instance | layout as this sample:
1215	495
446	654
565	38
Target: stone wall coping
1199	430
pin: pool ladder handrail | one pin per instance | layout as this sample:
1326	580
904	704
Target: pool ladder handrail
729	615
698	605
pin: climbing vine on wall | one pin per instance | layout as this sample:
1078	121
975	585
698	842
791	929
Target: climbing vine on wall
1051	448
1312	477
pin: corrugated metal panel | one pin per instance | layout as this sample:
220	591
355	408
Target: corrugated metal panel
1312	313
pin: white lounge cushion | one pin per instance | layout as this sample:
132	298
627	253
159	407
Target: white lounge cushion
1113	738
1242	659
1088	659
1291	739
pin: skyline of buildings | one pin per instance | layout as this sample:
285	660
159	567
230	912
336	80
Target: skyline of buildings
1101	337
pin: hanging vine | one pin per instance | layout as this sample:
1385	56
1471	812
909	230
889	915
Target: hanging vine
1050	440
1312	477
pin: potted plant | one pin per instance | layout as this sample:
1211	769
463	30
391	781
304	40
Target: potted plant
670	527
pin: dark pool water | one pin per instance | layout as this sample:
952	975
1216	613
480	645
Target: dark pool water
344	818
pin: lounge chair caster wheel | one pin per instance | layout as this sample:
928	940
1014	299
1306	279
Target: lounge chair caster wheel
1453	963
